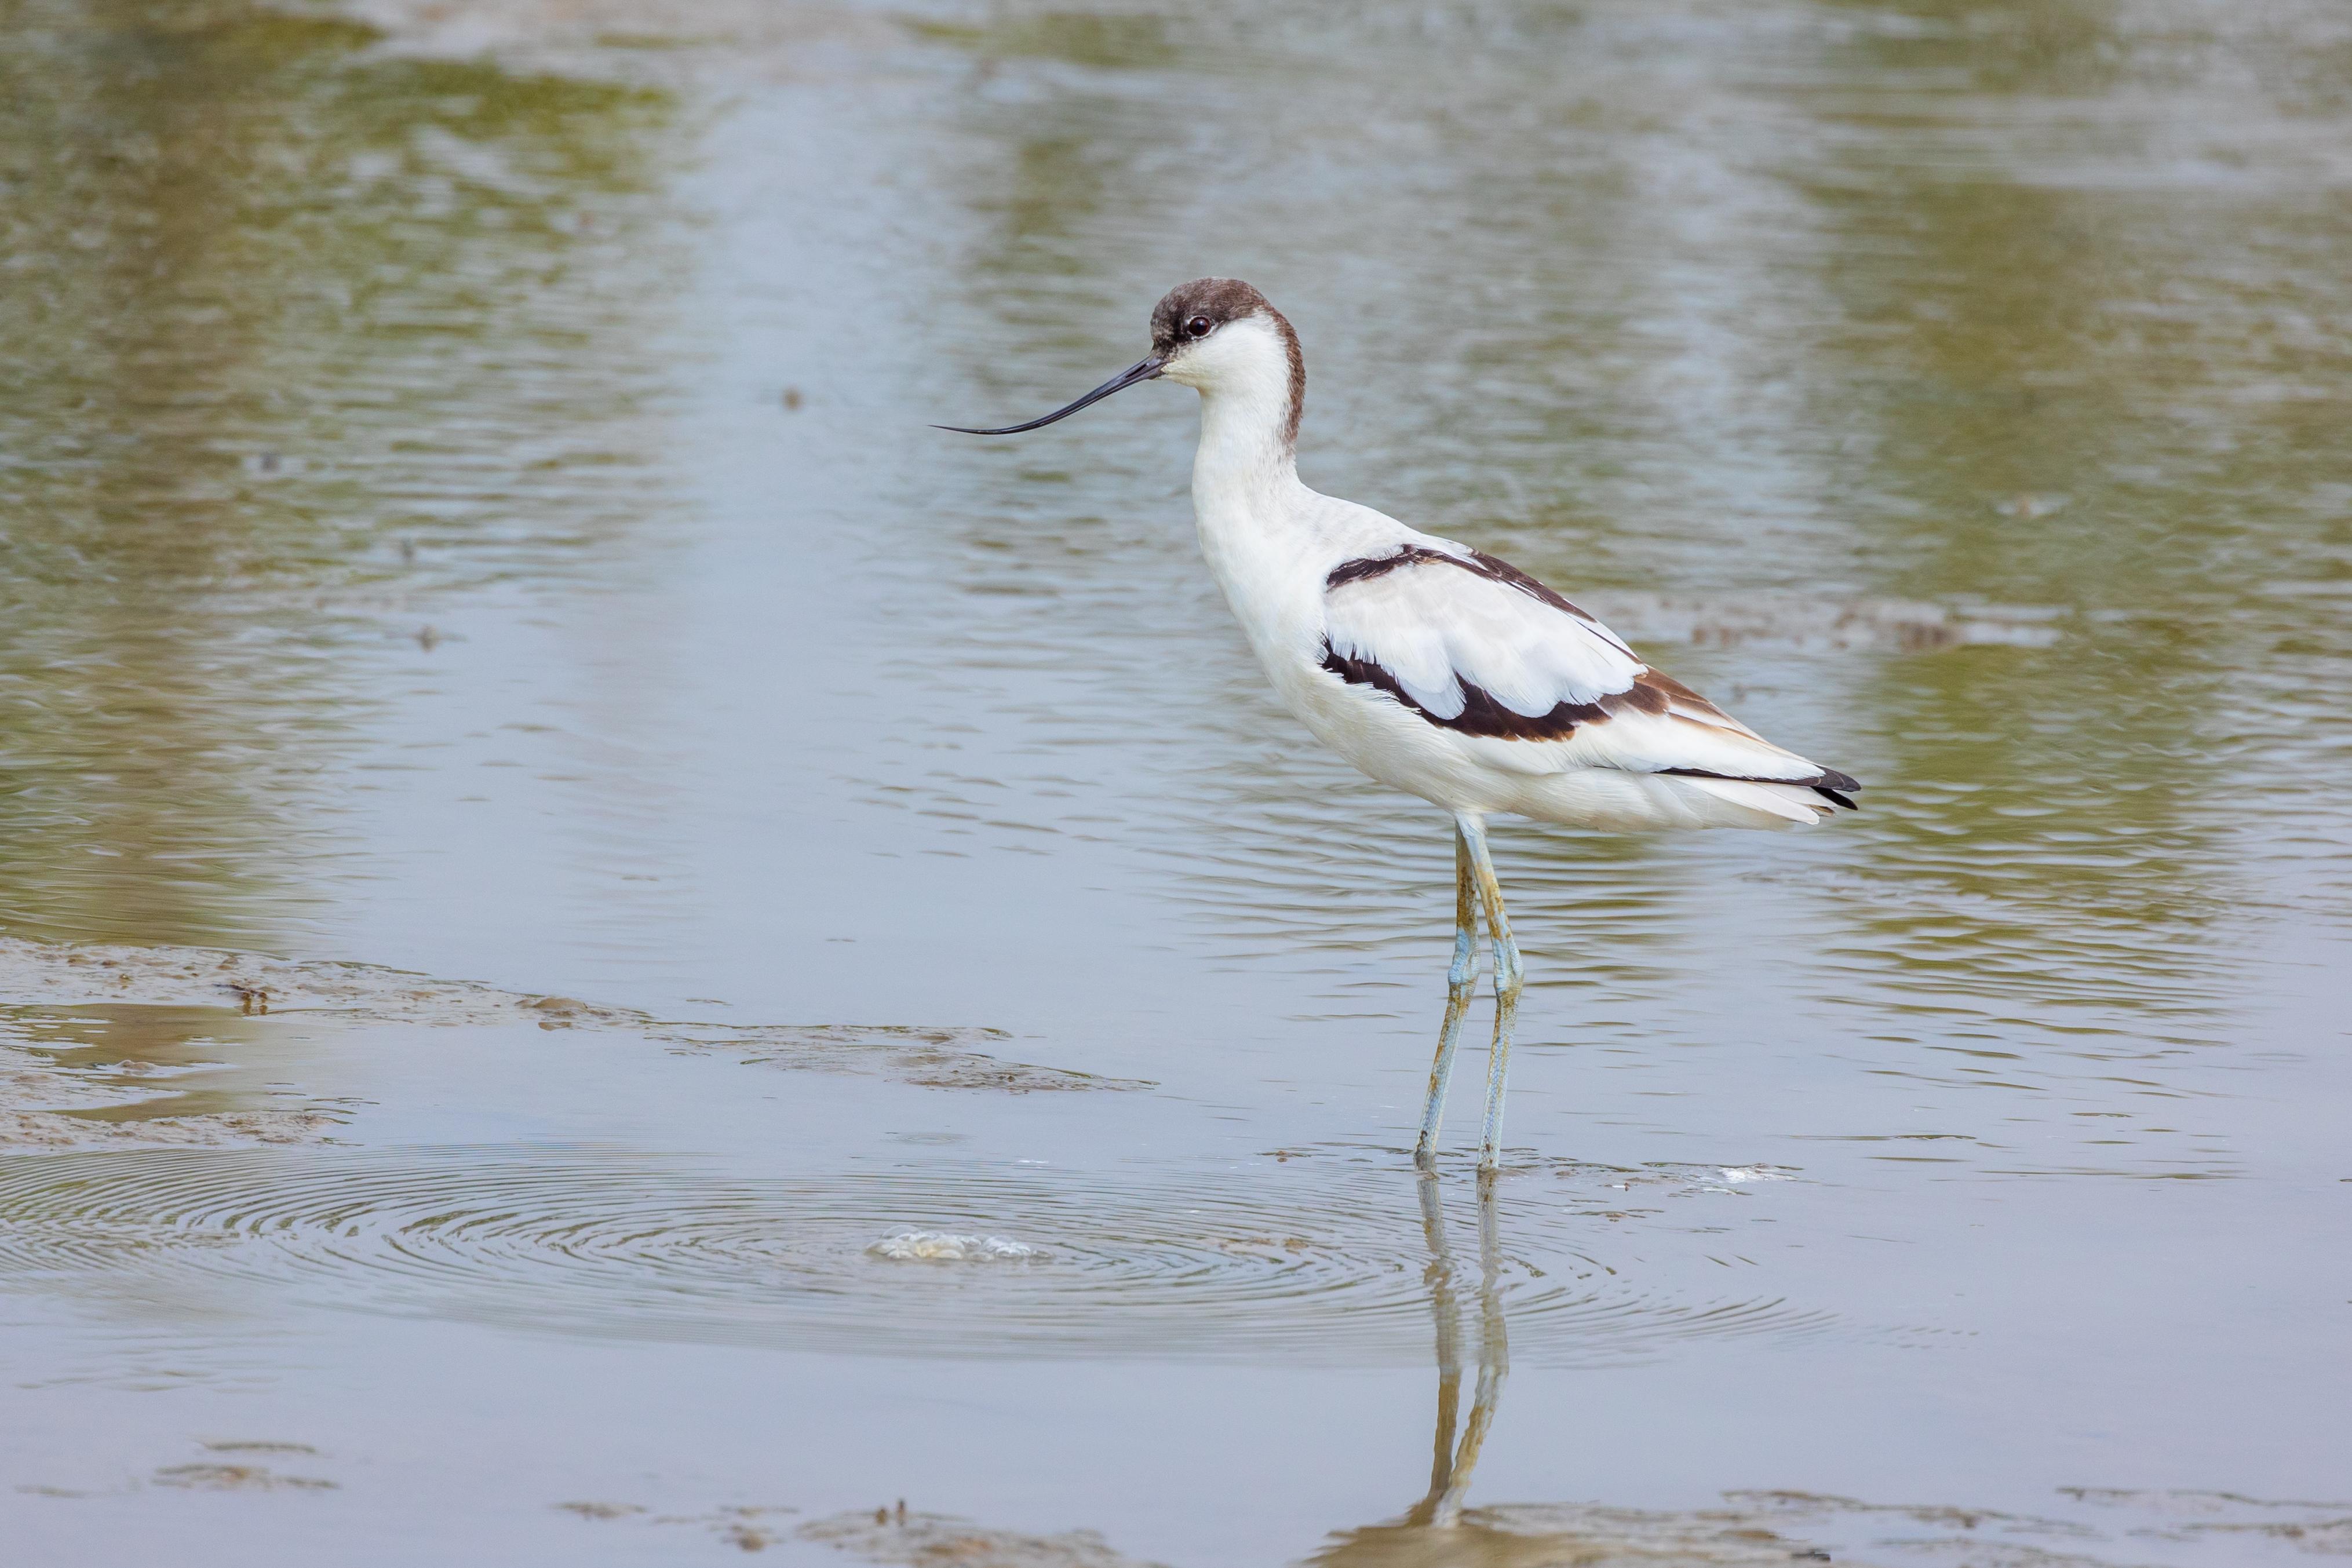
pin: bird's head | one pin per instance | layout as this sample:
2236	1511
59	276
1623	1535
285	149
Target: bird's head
1218	336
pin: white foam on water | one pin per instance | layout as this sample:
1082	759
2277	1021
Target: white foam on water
1732	1178
942	1247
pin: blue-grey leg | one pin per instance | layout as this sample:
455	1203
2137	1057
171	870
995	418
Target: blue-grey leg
1509	975
1461	984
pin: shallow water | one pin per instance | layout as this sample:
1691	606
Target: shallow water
548	815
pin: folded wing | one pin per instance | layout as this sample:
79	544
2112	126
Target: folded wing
1476	647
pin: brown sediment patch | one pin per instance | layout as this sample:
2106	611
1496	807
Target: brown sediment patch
1937	1515
747	1528
1518	1536
1944	1532
1883	626
2330	1537
47	1106
219	1477
1749	1530
94	974
57	1132
893	1535
1759	1527
33	1094
926	1056
2321	1528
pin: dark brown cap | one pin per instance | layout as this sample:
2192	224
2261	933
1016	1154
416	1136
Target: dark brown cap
1193	310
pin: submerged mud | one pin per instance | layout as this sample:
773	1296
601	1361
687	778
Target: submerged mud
902	1540
1746	1530
47	1104
220	1130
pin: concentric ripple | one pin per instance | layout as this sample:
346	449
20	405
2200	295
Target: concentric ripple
1334	1263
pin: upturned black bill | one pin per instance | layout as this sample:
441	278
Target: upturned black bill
1142	370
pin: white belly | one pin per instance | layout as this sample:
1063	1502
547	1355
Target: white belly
1386	740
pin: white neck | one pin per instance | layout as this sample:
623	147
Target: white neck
1245	464
1246	496
1244	460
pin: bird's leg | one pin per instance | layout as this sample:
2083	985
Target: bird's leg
1510	973
1461	984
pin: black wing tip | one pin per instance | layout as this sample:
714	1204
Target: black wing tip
1829	784
1835	787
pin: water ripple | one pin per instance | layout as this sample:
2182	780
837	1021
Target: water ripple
1238	1262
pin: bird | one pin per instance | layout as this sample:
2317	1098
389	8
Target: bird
1434	668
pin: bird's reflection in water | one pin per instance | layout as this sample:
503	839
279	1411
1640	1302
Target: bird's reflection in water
1451	1464
1433	1530
1438	1531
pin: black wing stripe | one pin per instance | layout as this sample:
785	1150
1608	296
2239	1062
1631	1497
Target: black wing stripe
1478	564
1481	713
1365	567
1504	571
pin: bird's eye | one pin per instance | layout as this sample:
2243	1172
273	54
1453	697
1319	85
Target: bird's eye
1197	327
